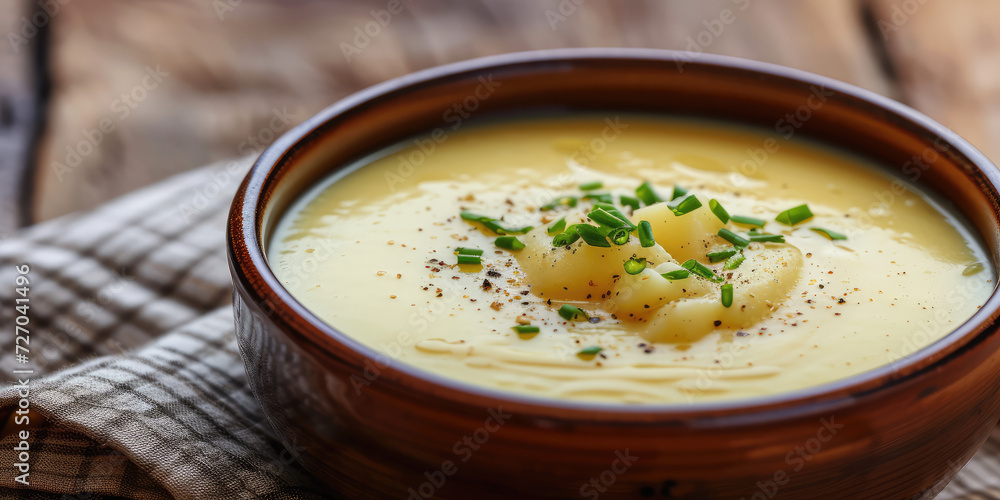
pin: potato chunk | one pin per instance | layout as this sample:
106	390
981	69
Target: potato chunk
685	236
636	297
581	272
760	285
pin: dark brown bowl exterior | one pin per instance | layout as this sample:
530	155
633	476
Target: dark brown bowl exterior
372	427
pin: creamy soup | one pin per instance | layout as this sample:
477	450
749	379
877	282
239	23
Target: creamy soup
630	259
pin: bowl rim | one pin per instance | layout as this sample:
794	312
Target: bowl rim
253	275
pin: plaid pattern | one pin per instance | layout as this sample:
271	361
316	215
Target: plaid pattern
139	391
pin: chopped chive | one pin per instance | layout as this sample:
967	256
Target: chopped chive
588	353
974	268
468	251
592	236
635	265
566	238
569	312
767	238
747	221
556	228
679	191
605	206
678	274
646	234
646	193
521	329
470	259
509	242
685	205
612	218
604	218
833	235
794	215
493	224
629	201
601	197
590	186
467	215
727	295
701	270
619	236
733	262
734	238
626	223
717	209
722	255
565	201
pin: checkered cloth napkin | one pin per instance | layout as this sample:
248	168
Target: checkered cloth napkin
138	389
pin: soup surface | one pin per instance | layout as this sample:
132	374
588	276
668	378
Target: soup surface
733	290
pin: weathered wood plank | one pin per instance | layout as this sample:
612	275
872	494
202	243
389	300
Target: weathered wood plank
229	69
947	58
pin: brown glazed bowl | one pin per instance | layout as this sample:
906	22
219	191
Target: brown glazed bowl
372	427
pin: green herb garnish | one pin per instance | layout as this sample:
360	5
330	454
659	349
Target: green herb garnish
701	270
588	353
610	218
570	312
563	201
556	228
566	238
522	329
721	255
733	262
973	268
470	259
646	234
794	215
590	186
619	236
601	197
468	251
833	235
647	194
685	205
747	221
735	239
679	191
767	238
591	235
494	224
717	209
727	295
509	242
678	274
635	265
629	201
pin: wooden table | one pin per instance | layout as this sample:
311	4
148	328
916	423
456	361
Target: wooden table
181	83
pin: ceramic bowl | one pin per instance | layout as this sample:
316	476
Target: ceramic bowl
372	427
